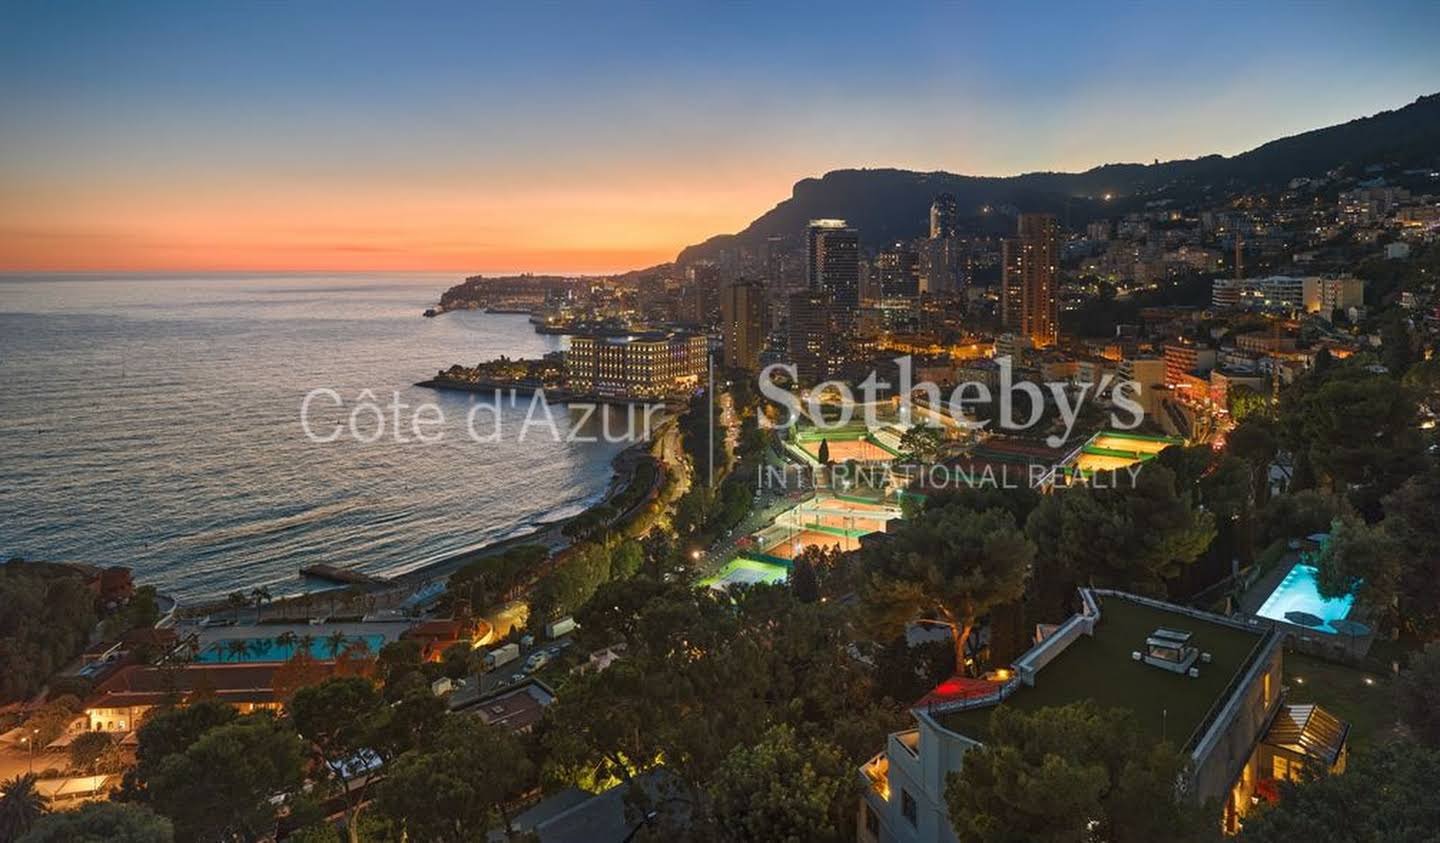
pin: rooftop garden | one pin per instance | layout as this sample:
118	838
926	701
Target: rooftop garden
1167	705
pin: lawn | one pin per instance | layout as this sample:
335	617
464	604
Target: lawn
1368	708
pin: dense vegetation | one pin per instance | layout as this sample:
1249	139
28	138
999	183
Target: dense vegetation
46	615
1071	773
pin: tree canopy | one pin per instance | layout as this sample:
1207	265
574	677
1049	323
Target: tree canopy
1419	696
46	614
951	565
102	822
784	789
220	787
1385	793
339	720
1361	560
167	732
21	805
1119	533
459	787
1066	775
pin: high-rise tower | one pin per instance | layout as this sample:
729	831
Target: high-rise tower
1029	284
944	216
834	266
743	307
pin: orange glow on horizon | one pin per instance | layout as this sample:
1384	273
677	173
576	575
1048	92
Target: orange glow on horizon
228	224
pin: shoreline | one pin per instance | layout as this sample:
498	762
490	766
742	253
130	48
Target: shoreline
546	533
403	584
551	395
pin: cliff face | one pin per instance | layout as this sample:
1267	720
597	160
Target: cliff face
888	204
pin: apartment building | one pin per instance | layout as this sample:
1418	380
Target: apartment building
1209	685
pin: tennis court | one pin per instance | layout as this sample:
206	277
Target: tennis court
1133	443
746	572
796	541
844	450
853	516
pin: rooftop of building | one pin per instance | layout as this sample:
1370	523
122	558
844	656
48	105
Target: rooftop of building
141	685
658	335
1169	706
1310	731
517	708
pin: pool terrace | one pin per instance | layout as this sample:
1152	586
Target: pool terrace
263	649
1299	592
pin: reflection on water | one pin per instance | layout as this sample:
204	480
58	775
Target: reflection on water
154	422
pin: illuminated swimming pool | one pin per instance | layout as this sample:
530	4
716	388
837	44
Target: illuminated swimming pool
1299	593
271	650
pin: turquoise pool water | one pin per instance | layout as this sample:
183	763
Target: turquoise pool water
1298	593
270	650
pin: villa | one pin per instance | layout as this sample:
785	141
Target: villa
1208	684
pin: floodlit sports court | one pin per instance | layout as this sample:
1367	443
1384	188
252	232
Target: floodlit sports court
851	516
844	450
852	442
1111	451
795	541
747	572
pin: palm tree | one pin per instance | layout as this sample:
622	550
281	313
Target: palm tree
237	602
335	641
356	649
287	640
260	595
307	643
258	647
20	806
237	647
305	602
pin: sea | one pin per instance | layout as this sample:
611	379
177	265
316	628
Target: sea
156	422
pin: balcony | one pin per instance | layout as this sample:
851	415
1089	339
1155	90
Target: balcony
877	775
909	741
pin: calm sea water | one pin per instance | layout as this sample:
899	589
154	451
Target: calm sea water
155	422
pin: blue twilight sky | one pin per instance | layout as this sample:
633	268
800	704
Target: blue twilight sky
591	136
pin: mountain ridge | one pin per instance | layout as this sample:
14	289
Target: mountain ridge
889	203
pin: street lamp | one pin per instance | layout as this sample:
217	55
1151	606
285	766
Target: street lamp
29	740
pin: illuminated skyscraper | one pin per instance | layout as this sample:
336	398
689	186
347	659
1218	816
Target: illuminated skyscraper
1029	284
834	267
811	335
701	304
944	217
743	306
897	273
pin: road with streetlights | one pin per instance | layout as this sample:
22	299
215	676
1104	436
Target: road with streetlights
21	757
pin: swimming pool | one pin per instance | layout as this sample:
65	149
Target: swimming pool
1299	593
271	650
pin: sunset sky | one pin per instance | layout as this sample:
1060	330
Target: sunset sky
594	137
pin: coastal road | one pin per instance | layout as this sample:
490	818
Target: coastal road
772	502
761	515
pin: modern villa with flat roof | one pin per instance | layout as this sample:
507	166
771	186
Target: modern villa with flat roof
1209	685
